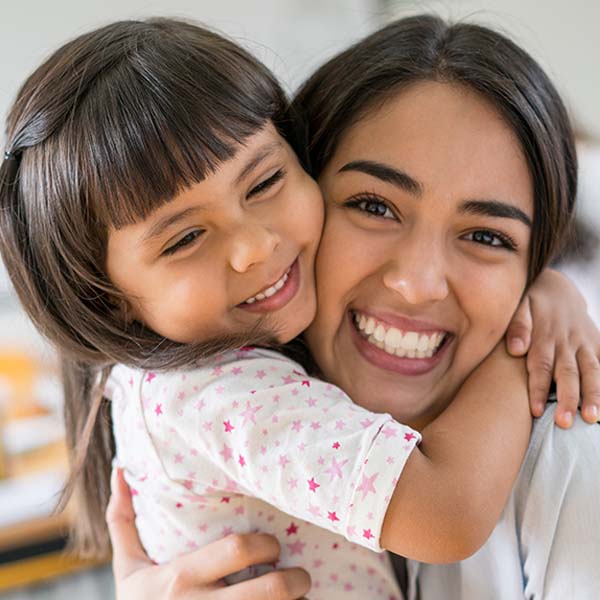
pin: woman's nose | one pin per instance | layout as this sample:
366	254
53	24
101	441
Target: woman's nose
251	245
419	274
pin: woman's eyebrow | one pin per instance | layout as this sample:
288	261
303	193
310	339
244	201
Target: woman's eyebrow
261	154
495	208
386	173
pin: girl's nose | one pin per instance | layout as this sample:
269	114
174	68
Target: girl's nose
418	273
251	245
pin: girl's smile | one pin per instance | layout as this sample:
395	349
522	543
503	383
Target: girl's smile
231	252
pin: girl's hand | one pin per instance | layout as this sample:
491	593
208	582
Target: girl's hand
562	343
198	575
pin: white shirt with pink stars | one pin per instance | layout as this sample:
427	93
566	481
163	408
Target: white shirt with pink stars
248	442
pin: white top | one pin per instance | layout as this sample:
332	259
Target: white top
546	546
248	442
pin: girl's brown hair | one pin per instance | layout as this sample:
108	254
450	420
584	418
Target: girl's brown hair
426	48
112	125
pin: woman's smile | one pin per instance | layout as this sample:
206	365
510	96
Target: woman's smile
423	258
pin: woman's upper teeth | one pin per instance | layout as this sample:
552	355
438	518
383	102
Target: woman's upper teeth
403	343
270	291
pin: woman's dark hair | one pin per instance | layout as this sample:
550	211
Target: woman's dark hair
111	126
426	48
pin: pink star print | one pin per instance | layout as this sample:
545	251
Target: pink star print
242	461
366	485
297	425
314	510
293	528
226	453
313	485
228	426
389	432
250	413
283	460
335	445
297	547
367	534
150	377
409	436
158	410
178	458
335	470
332	516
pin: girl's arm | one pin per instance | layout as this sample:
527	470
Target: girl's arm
456	482
562	342
198	575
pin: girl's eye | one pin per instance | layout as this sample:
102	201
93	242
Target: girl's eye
263	186
372	206
186	240
494	239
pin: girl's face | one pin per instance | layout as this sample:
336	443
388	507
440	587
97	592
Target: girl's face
424	254
226	252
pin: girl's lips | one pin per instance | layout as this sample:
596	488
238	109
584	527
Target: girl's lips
281	297
381	359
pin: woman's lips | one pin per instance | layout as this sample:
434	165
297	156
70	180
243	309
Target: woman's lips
390	362
281	297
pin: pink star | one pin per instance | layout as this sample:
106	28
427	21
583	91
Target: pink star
313	485
366	485
263	450
283	460
181	395
315	425
332	516
200	404
296	548
321	460
227	531
207	425
317	563
261	374
366	423
150	377
367	534
158	410
314	510
250	413
335	445
311	402
178	458
339	425
306	383
274	419
335	470
301	447
225	499
239	510
237	370
409	436
226	453
242	461
288	380
228	426
389	432
293	483
297	425
217	371
293	528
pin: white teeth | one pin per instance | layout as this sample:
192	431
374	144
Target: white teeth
409	344
370	326
270	291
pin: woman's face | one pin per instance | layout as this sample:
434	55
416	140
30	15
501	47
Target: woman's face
424	255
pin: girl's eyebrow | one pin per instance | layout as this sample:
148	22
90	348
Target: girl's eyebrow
160	226
386	173
261	154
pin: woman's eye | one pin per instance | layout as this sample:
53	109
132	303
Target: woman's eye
263	186
372	206
491	238
186	240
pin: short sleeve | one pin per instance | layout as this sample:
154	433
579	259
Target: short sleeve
260	426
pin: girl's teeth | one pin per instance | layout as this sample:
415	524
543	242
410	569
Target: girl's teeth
269	291
408	344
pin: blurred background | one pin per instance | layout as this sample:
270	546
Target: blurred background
292	37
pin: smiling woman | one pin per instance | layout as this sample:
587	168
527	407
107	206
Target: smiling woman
444	203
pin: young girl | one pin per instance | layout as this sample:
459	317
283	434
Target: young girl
155	218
